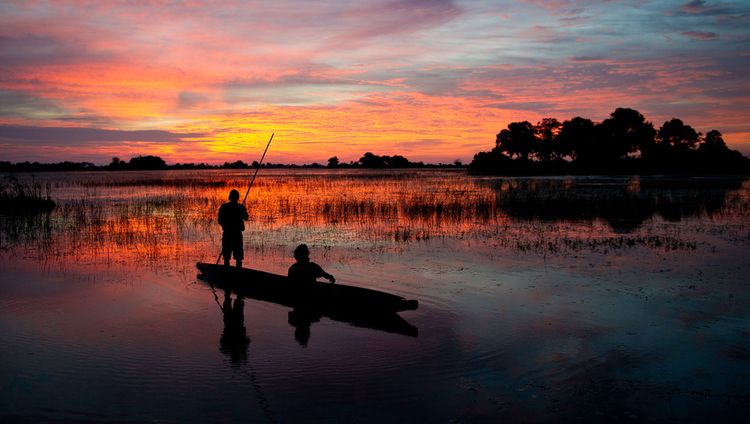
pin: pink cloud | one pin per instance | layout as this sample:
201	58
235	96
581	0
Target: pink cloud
698	35
399	74
694	6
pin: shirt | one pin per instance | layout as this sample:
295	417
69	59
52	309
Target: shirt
305	272
232	217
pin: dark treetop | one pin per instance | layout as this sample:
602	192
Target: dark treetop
624	143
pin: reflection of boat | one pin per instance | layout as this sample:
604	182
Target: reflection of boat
359	306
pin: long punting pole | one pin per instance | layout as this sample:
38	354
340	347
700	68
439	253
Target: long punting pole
257	169
252	181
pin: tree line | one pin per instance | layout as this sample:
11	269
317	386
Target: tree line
623	143
151	162
371	160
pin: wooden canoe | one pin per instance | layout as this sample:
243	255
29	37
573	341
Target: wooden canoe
320	296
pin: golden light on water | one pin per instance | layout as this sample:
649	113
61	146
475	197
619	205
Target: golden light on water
155	216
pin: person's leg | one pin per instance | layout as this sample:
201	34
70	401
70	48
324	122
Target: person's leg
239	251
226	248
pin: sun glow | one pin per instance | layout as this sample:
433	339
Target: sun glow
432	83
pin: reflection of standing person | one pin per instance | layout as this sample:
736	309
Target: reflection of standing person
232	217
304	271
234	339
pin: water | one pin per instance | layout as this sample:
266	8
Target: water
541	299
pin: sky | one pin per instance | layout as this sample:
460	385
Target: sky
433	80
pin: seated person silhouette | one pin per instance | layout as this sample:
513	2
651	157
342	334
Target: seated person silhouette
305	272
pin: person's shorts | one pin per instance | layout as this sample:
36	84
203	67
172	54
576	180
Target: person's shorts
231	246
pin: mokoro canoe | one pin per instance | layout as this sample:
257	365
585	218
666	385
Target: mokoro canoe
324	297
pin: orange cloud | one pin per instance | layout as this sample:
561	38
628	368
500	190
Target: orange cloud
434	81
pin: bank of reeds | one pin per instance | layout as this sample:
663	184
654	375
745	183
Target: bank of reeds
158	182
18	198
159	216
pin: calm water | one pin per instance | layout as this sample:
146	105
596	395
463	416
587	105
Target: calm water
541	300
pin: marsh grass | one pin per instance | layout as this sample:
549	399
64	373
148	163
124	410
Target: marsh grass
151	182
173	215
31	197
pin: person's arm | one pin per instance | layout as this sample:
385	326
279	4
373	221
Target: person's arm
245	216
327	276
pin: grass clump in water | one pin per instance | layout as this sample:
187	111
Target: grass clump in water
30	198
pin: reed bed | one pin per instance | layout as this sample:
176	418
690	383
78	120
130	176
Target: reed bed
170	215
31	197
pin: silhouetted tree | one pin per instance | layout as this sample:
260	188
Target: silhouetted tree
518	140
546	132
493	162
675	134
333	162
713	145
147	162
608	147
625	131
714	155
117	163
576	139
397	161
502	140
371	160
236	165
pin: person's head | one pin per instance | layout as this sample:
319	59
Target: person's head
234	196
302	253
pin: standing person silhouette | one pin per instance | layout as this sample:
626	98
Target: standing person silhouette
232	217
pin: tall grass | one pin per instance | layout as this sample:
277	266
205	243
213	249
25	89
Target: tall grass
172	216
25	198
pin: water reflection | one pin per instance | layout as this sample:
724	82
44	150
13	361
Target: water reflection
623	203
234	339
303	316
544	338
305	311
301	319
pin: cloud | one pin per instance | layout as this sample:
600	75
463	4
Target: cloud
565	7
529	106
360	73
395	17
587	59
699	7
698	35
694	6
15	104
29	50
548	35
66	136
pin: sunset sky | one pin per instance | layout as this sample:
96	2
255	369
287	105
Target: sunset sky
196	81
